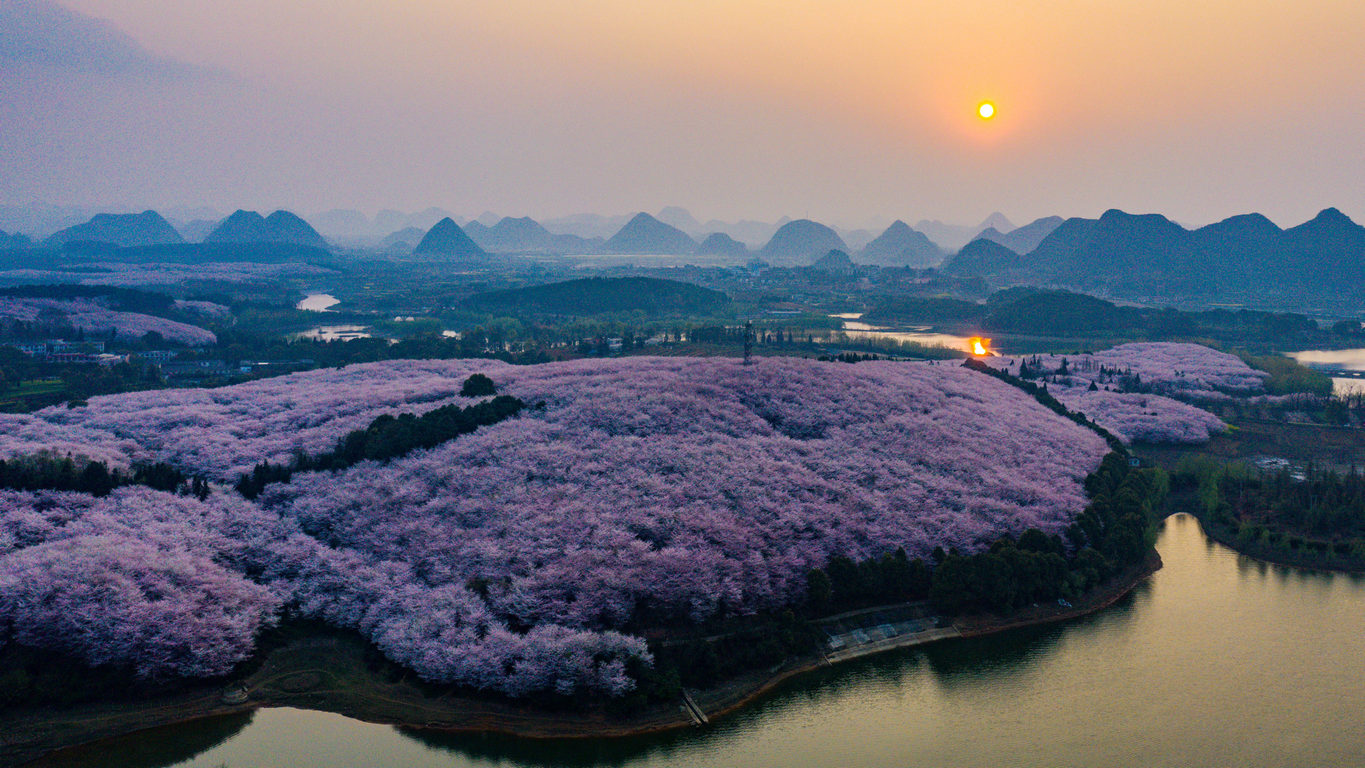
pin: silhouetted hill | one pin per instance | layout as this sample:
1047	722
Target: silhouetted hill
901	246
240	227
588	226
800	241
445	238
1117	251
681	219
1245	257
406	238
285	227
122	229
982	257
835	263
10	242
721	244
646	234
1025	238
951	237
602	295
278	227
523	235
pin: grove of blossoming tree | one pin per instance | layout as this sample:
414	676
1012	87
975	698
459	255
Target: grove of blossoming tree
1132	389
519	557
89	315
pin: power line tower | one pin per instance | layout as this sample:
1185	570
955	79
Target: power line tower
748	342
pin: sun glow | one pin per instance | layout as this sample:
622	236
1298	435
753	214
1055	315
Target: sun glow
980	346
986	110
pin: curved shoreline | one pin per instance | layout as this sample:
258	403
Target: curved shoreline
400	704
1219	535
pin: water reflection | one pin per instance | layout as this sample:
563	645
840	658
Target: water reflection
1217	660
854	328
318	302
337	333
156	747
1338	359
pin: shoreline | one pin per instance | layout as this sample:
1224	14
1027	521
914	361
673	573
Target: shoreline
298	675
1308	564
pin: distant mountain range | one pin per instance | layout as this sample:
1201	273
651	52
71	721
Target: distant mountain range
278	227
526	235
1025	238
8	242
951	237
122	229
1149	255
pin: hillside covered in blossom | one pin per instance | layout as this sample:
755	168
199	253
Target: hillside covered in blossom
1143	392
514	559
94	317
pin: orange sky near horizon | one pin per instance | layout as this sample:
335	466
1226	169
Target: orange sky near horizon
768	108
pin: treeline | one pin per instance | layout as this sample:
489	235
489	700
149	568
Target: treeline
389	437
118	298
704	663
28	384
1041	394
45	472
1309	517
1039	312
602	295
1113	533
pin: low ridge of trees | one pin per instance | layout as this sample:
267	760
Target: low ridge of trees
390	436
47	472
1313	516
1113	533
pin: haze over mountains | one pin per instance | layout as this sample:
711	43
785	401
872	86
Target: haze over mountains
1151	256
446	238
278	227
1118	254
122	229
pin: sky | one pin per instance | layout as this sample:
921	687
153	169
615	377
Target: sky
837	110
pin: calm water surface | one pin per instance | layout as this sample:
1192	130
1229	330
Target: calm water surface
1342	359
337	332
854	328
318	302
1216	661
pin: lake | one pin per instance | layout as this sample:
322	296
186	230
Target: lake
1217	660
318	302
337	332
854	328
1339	359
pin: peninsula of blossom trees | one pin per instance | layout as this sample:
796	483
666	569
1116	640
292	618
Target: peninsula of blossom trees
514	558
1134	390
93	317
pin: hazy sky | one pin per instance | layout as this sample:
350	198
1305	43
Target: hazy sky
838	110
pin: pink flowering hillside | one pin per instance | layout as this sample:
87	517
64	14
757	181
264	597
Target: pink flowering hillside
1137	388
514	558
93	317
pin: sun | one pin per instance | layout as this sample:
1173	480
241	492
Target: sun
986	110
